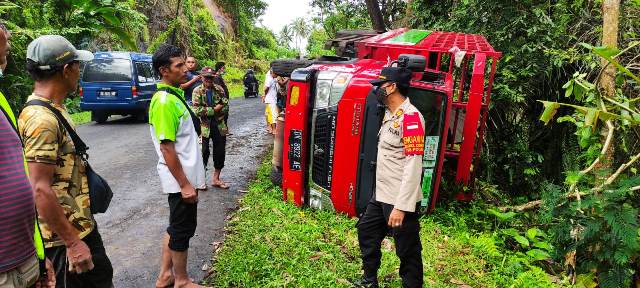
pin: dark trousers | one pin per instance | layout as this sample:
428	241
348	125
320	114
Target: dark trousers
372	228
100	277
219	144
183	219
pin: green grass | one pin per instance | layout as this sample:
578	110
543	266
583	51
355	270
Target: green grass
81	117
274	244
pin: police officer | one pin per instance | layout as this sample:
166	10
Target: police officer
398	173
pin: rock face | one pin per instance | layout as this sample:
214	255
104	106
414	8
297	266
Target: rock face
161	12
223	18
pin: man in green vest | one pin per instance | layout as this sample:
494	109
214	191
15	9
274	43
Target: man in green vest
21	247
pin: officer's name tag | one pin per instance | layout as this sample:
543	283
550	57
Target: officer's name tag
413	135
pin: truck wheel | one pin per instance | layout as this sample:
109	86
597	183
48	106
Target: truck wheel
100	117
284	67
276	176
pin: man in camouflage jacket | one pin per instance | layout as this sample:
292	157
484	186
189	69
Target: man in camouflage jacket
211	107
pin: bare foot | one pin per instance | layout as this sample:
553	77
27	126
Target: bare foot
165	281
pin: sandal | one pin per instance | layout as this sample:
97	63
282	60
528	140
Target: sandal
220	185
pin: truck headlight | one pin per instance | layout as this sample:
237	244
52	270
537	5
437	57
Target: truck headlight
330	87
323	92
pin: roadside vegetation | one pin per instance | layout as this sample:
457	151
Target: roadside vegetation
271	243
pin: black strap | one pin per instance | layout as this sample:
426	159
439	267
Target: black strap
194	119
81	147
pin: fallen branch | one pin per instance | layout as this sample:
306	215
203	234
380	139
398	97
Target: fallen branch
536	203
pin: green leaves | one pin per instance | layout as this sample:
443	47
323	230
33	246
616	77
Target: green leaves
609	53
501	216
550	109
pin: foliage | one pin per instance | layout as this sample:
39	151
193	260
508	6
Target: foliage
336	15
80	21
600	229
316	41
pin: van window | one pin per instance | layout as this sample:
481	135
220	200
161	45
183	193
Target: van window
144	72
107	70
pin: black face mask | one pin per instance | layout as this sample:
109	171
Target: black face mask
381	95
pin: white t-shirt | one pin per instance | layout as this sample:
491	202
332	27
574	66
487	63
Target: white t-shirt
272	94
170	120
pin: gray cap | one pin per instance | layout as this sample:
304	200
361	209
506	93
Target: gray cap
55	50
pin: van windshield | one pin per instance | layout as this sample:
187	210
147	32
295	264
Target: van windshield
107	70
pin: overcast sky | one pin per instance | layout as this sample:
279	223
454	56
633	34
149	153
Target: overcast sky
282	12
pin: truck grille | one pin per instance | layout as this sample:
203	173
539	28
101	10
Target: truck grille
323	145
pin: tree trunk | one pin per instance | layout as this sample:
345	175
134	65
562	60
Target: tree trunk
376	15
610	21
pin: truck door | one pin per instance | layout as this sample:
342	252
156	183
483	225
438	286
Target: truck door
433	105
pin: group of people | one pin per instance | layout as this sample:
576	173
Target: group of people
48	234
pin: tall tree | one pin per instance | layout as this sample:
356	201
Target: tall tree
610	23
301	30
285	36
376	15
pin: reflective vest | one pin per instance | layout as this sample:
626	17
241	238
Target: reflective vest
37	238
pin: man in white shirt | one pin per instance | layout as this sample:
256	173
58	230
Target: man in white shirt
270	98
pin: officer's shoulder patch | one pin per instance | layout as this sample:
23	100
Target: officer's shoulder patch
412	134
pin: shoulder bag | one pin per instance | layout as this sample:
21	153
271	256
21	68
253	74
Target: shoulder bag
100	193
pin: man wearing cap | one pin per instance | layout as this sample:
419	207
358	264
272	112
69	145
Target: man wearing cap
211	107
221	69
57	173
393	208
180	167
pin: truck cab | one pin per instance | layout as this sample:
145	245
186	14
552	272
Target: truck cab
332	116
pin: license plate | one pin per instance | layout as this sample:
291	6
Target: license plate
107	93
295	150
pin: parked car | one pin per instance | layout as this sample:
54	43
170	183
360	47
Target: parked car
117	83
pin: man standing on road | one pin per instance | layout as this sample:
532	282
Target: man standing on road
211	107
397	195
57	172
270	98
193	78
21	246
180	167
221	69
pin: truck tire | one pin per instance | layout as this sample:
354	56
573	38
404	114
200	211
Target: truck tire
284	67
276	176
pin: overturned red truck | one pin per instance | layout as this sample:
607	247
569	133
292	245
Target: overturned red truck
332	117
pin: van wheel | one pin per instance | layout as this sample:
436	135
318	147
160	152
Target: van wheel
284	67
100	117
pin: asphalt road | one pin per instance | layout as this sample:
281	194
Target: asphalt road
122	152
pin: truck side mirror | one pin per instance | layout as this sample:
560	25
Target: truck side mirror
415	63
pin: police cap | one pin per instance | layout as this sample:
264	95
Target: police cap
400	75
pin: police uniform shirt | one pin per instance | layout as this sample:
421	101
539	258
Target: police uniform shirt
399	159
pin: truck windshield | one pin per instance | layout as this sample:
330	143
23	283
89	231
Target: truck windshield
107	70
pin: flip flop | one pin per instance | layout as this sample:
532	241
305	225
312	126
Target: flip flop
220	185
